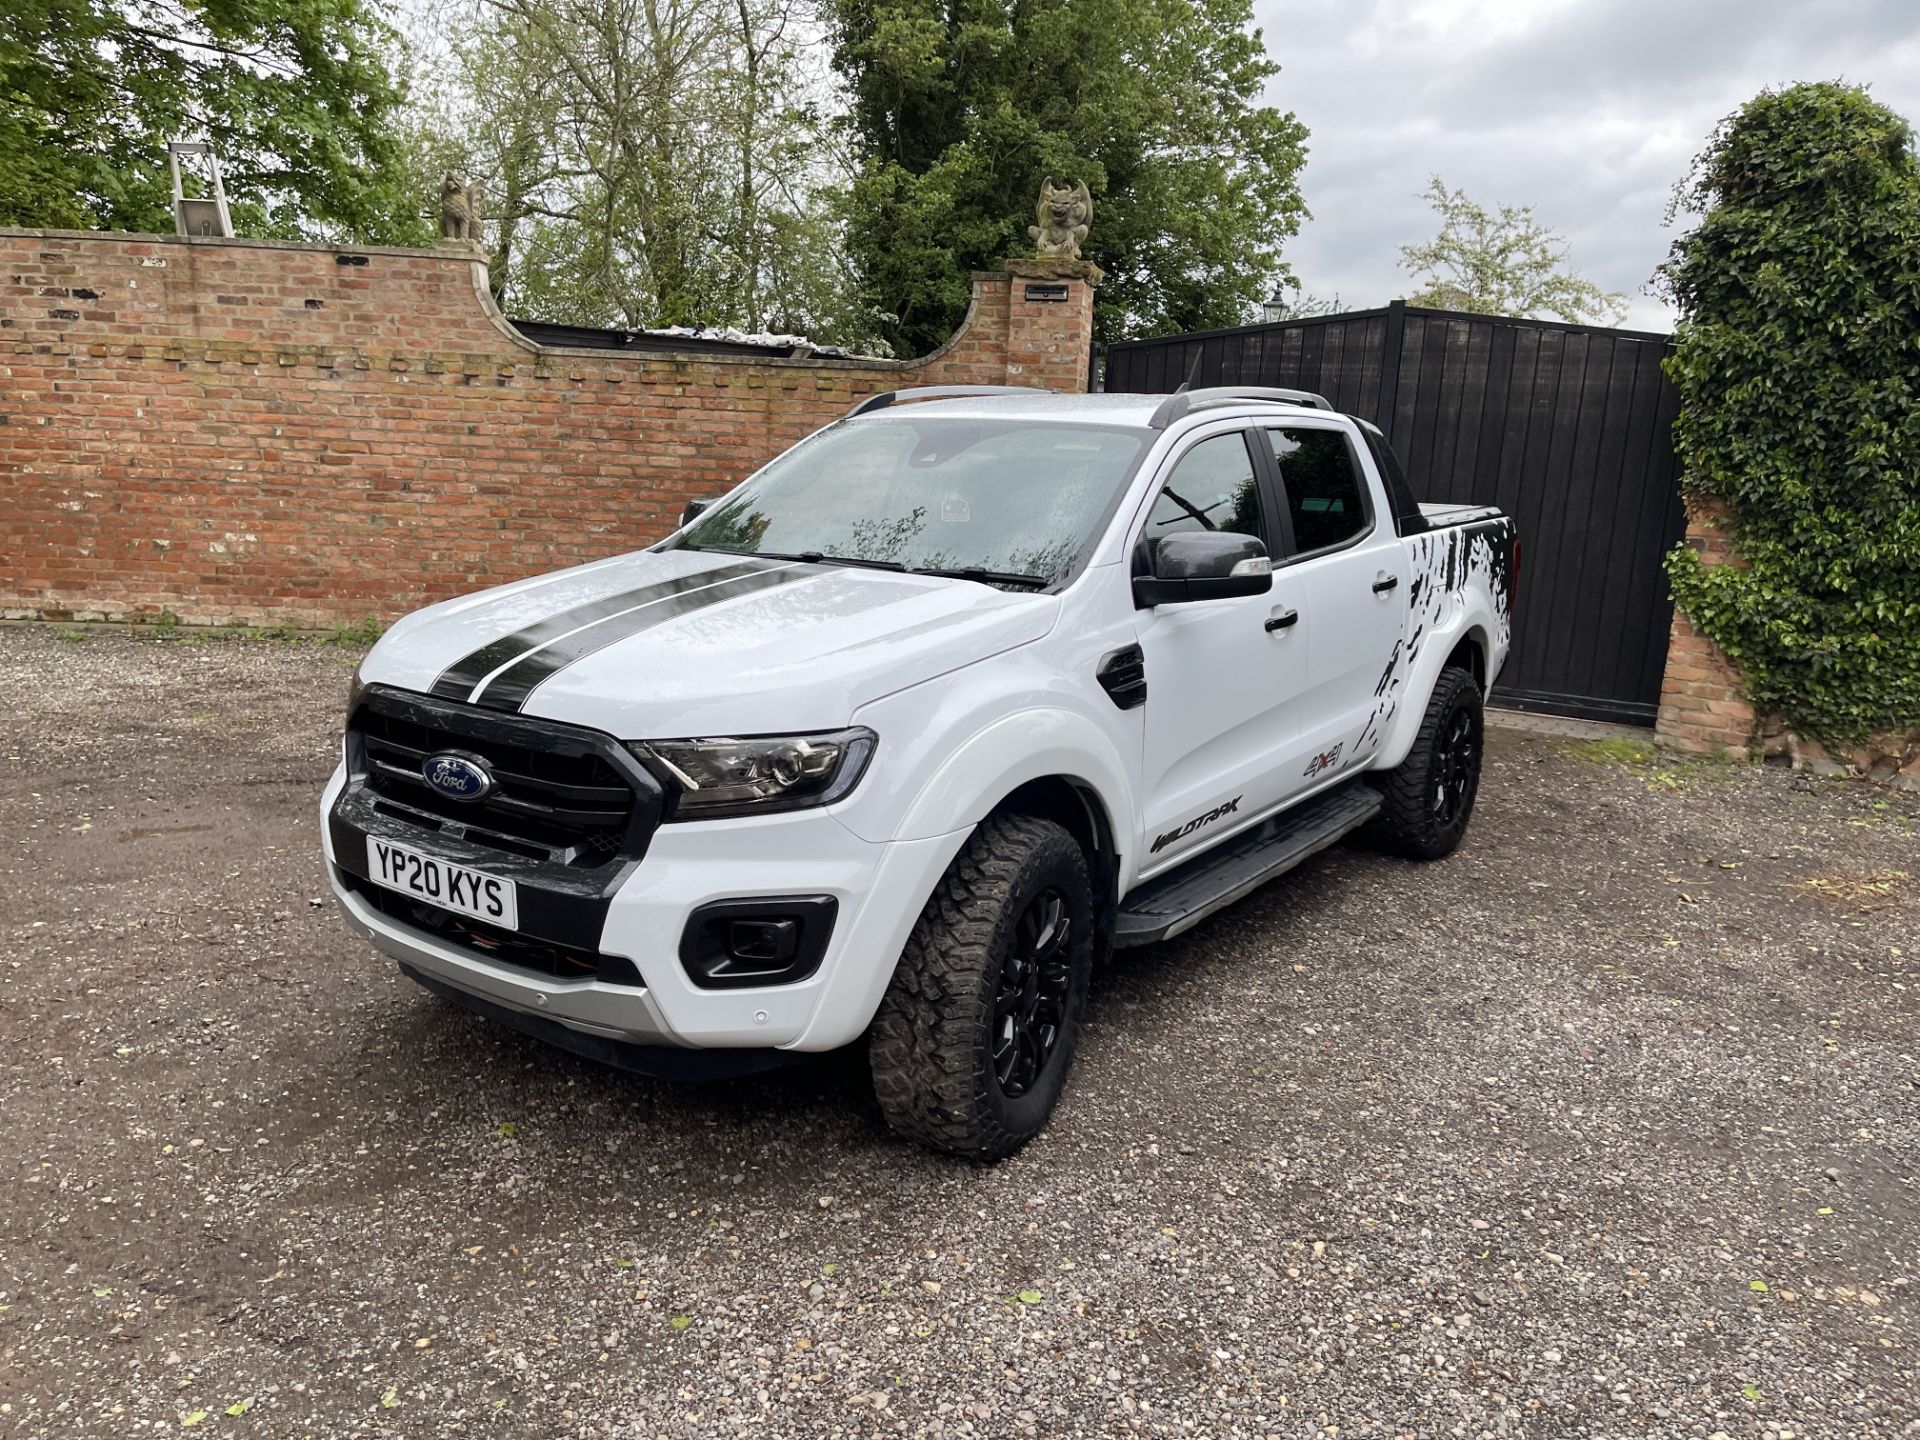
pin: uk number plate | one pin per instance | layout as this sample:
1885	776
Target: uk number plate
451	887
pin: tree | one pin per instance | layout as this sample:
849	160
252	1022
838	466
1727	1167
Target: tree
961	107
297	97
650	163
1501	264
1797	371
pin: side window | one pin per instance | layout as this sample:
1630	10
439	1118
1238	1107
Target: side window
1325	491
1212	487
1407	518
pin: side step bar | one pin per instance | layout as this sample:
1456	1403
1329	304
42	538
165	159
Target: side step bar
1186	895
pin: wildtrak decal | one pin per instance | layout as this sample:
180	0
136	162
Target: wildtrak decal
1325	760
1192	825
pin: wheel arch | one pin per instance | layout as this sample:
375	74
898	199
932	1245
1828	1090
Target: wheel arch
1470	655
1469	647
1077	808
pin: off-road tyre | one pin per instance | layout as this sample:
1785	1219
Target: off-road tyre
1427	800
932	1048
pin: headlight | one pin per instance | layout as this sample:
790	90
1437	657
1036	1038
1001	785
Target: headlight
758	774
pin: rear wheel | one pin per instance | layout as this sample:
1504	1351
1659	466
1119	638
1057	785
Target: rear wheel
972	1044
1428	799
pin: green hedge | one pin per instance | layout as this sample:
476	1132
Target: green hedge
1797	358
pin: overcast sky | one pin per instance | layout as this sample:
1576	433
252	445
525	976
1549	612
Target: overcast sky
1588	110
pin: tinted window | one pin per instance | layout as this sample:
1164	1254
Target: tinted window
1323	485
1011	495
1407	518
1211	488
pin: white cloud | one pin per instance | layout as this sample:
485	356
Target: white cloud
1587	110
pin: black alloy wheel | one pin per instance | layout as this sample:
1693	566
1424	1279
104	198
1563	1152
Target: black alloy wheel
1427	799
974	1039
1030	1000
1456	767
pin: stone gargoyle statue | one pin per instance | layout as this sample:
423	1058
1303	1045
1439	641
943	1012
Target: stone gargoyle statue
459	208
1064	216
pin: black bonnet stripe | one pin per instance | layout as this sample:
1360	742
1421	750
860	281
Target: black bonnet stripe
456	682
510	689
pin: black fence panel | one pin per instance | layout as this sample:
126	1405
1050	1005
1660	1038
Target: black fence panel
1565	427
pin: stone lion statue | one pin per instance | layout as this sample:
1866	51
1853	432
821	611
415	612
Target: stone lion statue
459	208
1064	216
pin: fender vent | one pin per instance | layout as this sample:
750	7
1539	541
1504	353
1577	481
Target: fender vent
1123	675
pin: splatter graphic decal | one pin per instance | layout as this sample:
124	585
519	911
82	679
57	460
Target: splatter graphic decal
1445	564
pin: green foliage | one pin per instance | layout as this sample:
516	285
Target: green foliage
1615	751
961	107
648	166
296	96
1502	264
363	634
1799	376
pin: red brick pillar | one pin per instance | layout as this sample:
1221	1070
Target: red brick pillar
1702	703
1031	323
1050	322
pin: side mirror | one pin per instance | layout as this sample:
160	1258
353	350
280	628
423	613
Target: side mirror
1204	565
693	511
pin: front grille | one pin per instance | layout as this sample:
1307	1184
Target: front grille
527	952
557	797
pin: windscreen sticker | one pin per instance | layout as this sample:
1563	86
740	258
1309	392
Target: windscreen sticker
954	510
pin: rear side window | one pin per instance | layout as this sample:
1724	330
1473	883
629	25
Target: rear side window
1325	492
1407	518
1212	487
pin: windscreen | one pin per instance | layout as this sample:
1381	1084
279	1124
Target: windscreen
1021	500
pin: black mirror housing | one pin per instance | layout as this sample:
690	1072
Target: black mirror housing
1204	565
694	509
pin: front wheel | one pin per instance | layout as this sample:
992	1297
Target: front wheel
1427	799
971	1046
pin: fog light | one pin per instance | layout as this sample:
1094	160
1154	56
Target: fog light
775	940
765	941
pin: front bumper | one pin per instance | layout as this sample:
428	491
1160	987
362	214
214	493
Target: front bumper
614	1012
880	889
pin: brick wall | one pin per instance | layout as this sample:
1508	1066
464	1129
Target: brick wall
242	432
1702	706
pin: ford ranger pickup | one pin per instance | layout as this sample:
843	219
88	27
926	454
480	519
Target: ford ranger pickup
894	741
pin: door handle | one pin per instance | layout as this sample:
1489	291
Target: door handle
1283	621
1385	583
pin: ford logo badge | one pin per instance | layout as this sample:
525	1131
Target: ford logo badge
458	777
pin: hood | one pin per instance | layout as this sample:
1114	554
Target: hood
684	644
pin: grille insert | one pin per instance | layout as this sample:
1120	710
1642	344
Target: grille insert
567	805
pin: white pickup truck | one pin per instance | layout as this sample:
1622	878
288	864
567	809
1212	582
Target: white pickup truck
901	735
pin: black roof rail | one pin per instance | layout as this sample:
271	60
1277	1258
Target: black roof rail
939	392
1183	400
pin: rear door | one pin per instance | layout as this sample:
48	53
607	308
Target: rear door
1348	569
1223	684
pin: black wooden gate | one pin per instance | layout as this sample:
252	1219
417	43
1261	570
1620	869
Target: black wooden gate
1565	427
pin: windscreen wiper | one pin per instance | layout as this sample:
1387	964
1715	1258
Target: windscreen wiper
809	557
986	577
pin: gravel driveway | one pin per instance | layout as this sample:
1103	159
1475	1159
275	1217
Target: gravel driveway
1608	1125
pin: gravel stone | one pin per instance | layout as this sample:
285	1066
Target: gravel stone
1608	1125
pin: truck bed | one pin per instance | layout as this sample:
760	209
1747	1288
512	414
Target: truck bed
1441	517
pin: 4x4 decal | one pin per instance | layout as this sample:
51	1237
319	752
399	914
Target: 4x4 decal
1326	760
1192	825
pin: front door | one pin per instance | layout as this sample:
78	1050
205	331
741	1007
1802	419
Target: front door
1224	677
